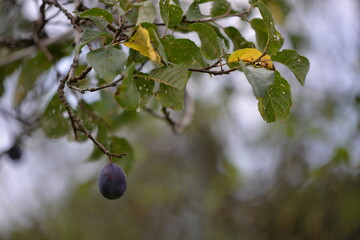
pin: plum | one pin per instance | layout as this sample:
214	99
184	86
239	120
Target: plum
15	152
112	181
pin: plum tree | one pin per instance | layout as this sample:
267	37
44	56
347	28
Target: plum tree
112	181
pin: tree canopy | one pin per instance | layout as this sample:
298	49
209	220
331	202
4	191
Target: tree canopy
130	57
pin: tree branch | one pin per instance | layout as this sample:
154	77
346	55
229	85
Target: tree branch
76	123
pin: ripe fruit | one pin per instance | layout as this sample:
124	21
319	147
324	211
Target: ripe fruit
15	152
112	181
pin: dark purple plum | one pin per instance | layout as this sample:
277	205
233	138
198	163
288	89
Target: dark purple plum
15	152
112	181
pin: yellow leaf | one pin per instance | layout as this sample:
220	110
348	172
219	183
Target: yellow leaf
250	55
140	42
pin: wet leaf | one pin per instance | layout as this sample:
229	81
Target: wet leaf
147	12
209	42
127	94
53	122
298	64
183	51
171	97
107	61
97	12
238	40
276	103
260	79
175	76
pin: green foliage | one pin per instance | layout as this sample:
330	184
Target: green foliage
127	94
89	35
238	40
118	144
276	103
220	7
175	76
183	51
97	12
107	61
171	97
159	64
260	79
147	12
298	64
54	124
210	46
270	43
194	12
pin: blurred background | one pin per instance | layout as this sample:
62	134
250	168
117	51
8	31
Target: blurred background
229	176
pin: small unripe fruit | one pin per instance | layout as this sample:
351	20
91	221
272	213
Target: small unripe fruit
112	181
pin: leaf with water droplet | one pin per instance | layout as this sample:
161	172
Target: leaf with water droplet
53	122
107	61
145	87
175	76
298	64
127	94
276	103
171	97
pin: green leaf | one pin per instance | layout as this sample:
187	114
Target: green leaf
127	94
171	97
88	119
238	40
259	78
89	35
135	56
276	104
209	42
262	35
5	71
158	44
183	51
97	12
124	4
175	15
147	12
121	145
2	88
31	70
53	122
106	104
107	61
267	17
175	76
220	7
170	13
298	64
194	12
223	39
164	6
145	87
99	22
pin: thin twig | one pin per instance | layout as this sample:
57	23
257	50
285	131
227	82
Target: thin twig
214	72
72	19
93	89
76	123
82	75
